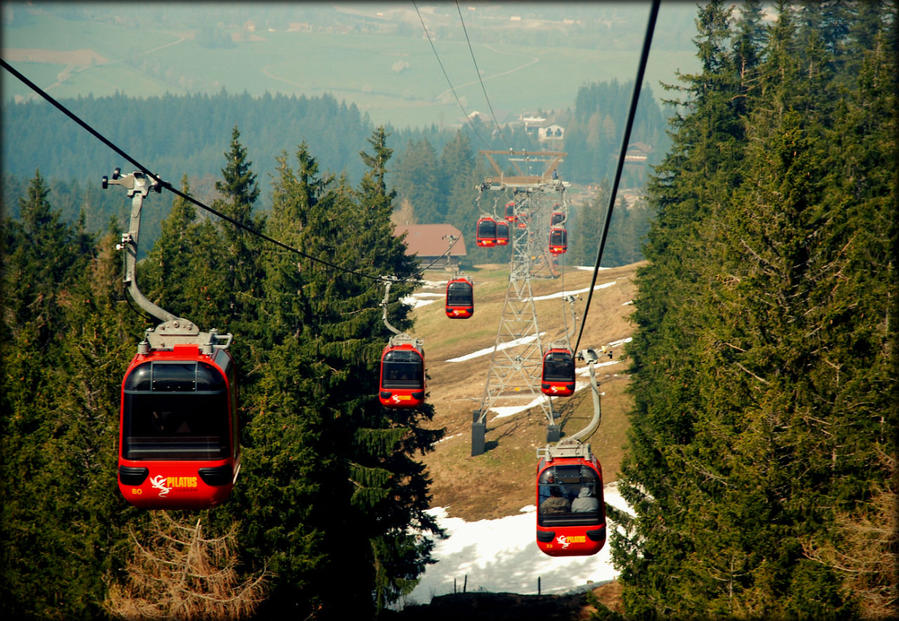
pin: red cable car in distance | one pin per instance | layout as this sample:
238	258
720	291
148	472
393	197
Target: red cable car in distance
502	233
558	240
485	232
402	383
459	298
558	373
178	431
510	211
571	518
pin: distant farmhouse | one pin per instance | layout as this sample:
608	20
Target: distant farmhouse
637	153
544	130
428	243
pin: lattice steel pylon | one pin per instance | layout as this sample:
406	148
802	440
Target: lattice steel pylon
517	359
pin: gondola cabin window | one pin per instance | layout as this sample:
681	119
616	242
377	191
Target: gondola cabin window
402	369
174	421
580	491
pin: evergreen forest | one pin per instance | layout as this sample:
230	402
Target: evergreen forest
762	452
761	462
434	170
325	521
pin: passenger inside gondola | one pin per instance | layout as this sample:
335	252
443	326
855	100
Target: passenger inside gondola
585	501
556	503
565	483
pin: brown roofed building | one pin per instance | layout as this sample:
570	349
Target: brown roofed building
428	243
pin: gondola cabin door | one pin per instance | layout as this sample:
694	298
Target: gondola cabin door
571	519
402	383
558	373
178	431
459	298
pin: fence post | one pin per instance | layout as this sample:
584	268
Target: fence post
538	585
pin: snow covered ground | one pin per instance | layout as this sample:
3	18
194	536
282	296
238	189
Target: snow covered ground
489	350
421	299
502	556
562	294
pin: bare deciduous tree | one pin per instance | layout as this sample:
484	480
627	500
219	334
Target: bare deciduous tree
178	574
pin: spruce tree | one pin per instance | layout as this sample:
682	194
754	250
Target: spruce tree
60	384
786	354
186	269
239	192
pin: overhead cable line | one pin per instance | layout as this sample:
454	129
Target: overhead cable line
445	75
168	186
641	69
477	70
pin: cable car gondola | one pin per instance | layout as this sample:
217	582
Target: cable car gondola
571	518
502	233
402	383
558	373
459	298
178	430
558	240
485	232
510	211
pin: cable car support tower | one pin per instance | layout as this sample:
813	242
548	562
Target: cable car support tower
517	359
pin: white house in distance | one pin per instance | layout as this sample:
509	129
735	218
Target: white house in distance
543	129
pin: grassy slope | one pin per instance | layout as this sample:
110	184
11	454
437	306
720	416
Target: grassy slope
501	481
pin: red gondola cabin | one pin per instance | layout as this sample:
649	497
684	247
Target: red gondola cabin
510	211
558	373
402	383
558	240
485	233
459	298
178	434
502	233
571	517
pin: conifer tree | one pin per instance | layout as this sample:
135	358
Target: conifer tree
61	376
185	272
332	490
240	191
787	359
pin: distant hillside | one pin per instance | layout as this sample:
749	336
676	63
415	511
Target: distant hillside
371	55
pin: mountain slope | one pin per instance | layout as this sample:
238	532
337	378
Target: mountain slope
500	481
